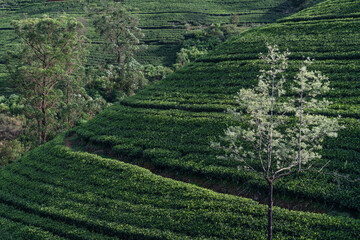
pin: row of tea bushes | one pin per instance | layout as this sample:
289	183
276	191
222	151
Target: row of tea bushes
185	112
164	23
55	191
179	140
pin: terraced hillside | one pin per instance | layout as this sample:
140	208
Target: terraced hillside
163	22
172	122
55	192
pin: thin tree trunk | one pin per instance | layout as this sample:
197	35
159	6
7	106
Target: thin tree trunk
39	130
68	101
300	127
118	61
270	203
44	120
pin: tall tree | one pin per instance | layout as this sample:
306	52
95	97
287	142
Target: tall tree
279	135
52	50
120	30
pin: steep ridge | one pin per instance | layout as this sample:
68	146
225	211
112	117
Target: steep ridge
172	122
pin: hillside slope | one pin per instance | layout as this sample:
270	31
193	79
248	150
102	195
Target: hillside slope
55	192
172	122
163	22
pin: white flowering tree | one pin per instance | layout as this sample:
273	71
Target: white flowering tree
279	135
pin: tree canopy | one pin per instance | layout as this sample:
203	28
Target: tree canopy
52	52
120	31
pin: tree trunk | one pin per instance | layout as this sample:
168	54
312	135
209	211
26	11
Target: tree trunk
118	61
270	203
44	120
38	131
68	102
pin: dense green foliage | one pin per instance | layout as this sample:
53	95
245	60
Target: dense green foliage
173	121
328	10
120	31
104	82
47	70
163	22
54	192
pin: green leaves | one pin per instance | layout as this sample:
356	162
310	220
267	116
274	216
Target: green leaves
184	112
48	72
77	195
119	29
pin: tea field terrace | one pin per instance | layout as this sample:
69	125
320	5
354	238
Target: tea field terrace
164	23
171	123
55	192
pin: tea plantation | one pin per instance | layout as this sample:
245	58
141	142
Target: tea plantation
162	22
172	122
55	192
